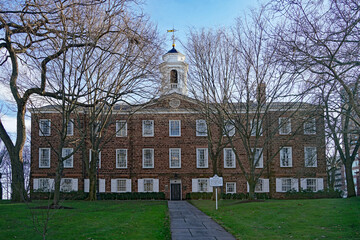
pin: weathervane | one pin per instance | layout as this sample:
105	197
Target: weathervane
173	35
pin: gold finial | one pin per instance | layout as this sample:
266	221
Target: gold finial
173	35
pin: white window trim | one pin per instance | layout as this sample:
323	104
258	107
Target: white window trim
201	134
291	158
294	184
261	160
233	158
170	150
118	131
143	129
74	184
71	123
41	133
143	157
173	135
40	149
305	159
313	121
227	187
126	158
72	158
288	122
206	157
253	131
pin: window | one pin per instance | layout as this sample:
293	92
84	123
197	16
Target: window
258	157
148	185
121	128
173	76
201	128
286	157
230	187
44	184
259	187
66	185
203	184
229	158
256	128
148	128
285	184
284	126
121	158
229	128
148	158
311	184
90	157
44	127
68	162
175	128
44	157
310	157
175	157
70	128
310	126
201	157
121	185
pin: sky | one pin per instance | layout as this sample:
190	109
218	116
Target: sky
187	14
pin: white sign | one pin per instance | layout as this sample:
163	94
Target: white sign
216	181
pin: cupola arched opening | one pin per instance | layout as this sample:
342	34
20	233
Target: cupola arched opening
173	76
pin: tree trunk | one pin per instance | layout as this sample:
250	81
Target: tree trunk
18	193
92	187
331	179
57	182
349	180
251	190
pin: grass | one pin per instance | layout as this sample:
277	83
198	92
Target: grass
88	220
287	219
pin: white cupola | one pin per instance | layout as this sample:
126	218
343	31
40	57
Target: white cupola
174	73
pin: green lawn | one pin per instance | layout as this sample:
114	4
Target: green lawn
287	219
88	220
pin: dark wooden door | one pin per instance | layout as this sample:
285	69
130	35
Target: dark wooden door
175	191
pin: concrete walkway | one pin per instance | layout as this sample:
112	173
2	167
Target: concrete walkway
188	222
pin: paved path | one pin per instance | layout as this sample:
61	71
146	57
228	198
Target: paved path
188	222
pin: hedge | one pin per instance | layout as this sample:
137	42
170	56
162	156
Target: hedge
308	194
240	196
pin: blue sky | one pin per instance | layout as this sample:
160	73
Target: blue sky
185	14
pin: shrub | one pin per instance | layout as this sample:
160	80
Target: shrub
308	194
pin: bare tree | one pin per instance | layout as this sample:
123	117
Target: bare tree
320	41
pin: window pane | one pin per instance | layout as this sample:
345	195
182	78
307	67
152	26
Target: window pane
174	127
148	185
121	128
175	156
148	128
148	157
202	185
121	157
201	128
121	185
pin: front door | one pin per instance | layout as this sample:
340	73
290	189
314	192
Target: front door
175	191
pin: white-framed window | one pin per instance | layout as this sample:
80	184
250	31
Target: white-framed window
44	127
121	128
286	157
90	157
69	184
202	158
174	128
148	158
175	157
101	185
70	128
258	157
121	158
261	186
68	162
44	157
44	184
310	157
148	128
310	127
231	187
121	185
229	158
256	127
201	128
229	128
284	126
201	185
287	184
148	185
313	184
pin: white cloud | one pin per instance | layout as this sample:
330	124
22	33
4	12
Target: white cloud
10	123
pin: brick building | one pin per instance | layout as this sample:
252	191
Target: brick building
164	148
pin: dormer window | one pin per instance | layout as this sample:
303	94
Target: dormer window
174	79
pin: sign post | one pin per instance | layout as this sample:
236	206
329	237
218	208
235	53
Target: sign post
216	181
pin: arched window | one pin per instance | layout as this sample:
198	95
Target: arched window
173	76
